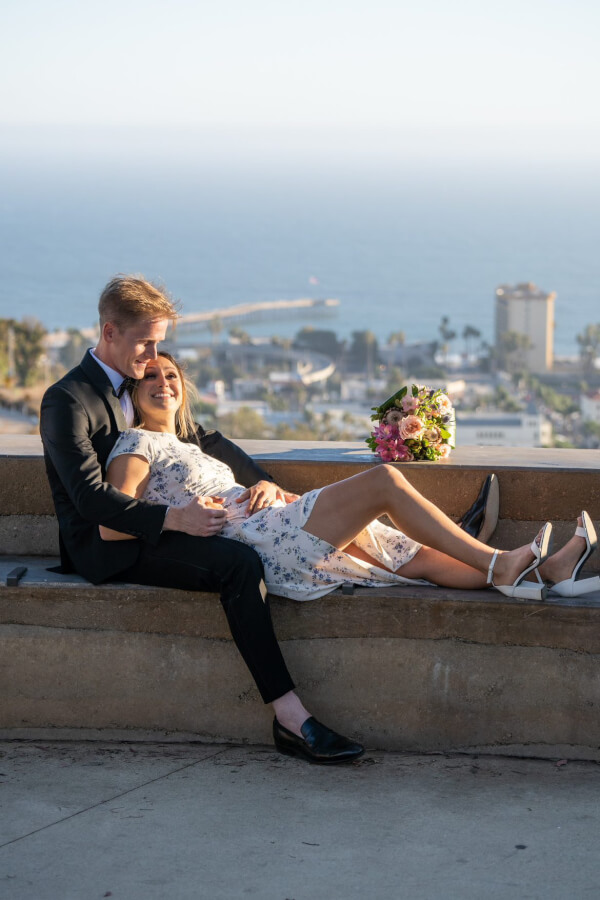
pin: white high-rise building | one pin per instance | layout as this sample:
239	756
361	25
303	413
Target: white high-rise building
528	310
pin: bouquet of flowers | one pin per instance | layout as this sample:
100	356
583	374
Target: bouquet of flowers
415	423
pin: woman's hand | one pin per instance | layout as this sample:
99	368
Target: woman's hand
260	496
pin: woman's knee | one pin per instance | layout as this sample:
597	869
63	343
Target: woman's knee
387	477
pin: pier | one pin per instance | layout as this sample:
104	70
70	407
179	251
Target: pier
257	312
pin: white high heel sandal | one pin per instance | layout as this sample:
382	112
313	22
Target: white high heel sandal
573	586
521	589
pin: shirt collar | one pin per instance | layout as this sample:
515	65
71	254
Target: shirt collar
116	379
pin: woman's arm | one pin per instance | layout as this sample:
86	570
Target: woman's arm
130	475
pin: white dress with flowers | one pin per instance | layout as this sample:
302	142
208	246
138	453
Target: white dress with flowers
297	564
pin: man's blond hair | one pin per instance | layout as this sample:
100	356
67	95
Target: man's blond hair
129	299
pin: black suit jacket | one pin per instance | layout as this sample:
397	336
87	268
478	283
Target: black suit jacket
80	421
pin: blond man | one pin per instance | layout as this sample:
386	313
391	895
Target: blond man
81	418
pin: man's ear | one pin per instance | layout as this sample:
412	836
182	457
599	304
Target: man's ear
108	332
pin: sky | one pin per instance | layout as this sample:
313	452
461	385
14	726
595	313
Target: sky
469	78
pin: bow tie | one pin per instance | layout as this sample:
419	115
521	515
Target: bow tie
125	384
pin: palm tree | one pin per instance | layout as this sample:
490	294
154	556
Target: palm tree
240	335
512	347
447	335
589	347
397	338
470	333
215	326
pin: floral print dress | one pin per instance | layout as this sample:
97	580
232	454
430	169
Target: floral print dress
297	564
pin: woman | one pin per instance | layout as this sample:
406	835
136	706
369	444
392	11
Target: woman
312	544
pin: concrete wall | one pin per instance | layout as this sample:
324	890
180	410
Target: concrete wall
405	668
535	485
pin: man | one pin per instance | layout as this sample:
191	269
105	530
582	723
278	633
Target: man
81	418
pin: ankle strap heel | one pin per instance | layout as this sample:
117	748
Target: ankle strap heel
521	589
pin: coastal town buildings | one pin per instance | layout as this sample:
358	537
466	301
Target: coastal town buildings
496	429
590	406
324	386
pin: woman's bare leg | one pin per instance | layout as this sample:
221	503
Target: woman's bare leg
431	565
342	510
443	570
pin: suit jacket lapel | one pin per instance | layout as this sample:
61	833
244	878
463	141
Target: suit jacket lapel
104	388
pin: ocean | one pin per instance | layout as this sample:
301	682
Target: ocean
400	247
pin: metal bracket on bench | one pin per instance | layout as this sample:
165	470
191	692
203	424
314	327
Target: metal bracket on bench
15	575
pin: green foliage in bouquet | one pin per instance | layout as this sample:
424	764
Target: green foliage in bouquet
413	424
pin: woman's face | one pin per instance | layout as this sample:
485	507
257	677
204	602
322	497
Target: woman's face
160	390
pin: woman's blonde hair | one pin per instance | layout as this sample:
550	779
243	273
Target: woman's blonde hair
185	426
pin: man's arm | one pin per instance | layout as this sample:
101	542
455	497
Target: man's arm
65	430
245	470
130	473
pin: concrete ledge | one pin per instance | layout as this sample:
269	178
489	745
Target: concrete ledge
535	485
406	669
51	600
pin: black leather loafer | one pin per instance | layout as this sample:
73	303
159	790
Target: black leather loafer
481	518
318	744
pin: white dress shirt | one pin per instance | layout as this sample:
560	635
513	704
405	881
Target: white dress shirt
116	379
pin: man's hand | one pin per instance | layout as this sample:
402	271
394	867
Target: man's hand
202	517
261	495
289	498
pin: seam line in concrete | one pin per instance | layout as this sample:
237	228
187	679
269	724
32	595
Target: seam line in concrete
112	630
112	799
453	638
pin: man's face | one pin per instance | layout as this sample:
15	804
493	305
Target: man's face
129	350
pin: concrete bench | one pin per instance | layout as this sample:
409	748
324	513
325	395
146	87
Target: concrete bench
405	668
409	668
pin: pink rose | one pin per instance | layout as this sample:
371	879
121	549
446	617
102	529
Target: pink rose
411	427
444	450
409	404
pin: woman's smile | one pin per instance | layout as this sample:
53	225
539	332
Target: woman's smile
161	395
160	389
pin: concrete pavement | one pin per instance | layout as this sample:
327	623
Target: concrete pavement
81	821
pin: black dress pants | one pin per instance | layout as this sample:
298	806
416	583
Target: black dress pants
235	571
